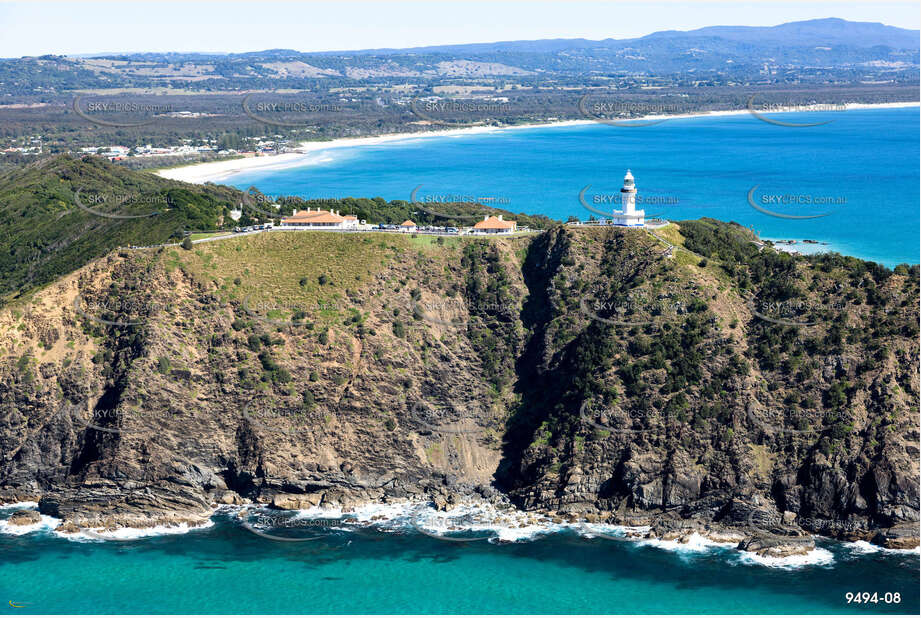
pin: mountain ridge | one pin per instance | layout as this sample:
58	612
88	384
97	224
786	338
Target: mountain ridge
829	30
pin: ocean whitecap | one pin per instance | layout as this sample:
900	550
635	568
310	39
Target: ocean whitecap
45	525
131	534
695	544
865	547
816	557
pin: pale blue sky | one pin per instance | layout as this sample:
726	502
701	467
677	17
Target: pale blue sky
35	28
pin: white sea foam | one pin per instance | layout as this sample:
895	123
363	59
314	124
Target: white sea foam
46	524
483	519
510	525
364	514
516	534
863	547
816	557
19	505
624	533
696	543
49	524
130	534
479	519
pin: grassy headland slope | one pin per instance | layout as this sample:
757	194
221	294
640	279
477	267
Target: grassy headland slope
59	213
584	371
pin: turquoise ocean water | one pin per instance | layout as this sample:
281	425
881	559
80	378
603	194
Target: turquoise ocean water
227	569
860	170
869	157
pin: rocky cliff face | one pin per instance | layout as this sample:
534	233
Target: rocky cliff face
587	372
769	393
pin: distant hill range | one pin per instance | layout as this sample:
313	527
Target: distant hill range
821	51
829	32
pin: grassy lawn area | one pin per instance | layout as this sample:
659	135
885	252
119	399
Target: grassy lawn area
292	272
424	241
670	233
316	275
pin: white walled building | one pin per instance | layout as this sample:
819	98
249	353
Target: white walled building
320	220
494	225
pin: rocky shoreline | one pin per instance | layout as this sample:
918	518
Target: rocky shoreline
694	423
782	540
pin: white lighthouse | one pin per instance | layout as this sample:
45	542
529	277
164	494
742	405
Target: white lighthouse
629	215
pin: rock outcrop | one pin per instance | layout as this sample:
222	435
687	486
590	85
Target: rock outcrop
901	536
24	518
778	546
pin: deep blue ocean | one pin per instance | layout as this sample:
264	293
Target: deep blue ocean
227	569
860	172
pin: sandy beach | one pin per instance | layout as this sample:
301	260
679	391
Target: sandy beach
214	171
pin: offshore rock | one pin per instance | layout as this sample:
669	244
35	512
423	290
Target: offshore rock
24	518
778	546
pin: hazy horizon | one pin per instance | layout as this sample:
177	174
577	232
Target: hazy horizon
99	28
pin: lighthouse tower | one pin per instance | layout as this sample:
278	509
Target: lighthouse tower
628	194
629	215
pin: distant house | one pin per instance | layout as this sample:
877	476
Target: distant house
494	225
320	220
408	226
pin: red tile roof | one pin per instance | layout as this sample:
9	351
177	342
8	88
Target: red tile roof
493	223
314	216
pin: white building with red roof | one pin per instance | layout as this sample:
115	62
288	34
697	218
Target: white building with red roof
320	220
494	225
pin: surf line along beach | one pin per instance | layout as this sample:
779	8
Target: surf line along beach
213	171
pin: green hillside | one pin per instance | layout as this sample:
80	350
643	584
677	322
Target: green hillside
59	213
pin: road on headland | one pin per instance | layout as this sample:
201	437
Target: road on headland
371	231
